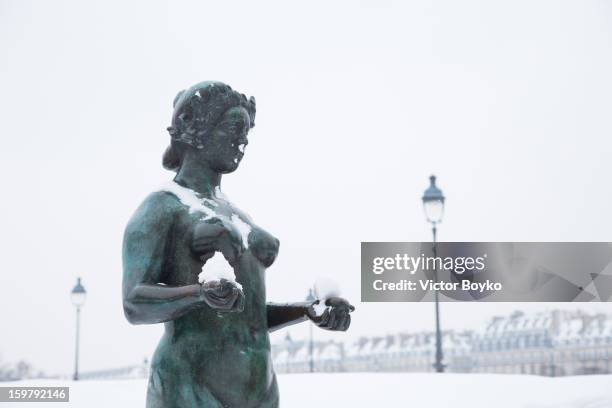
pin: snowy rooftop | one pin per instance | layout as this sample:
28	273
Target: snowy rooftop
560	326
555	328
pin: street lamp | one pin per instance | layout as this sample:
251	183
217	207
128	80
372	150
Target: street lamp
433	204
77	296
310	298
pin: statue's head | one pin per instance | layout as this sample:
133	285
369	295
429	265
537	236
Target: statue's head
211	121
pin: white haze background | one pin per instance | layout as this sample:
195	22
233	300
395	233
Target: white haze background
508	103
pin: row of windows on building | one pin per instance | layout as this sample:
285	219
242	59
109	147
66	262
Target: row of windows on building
553	343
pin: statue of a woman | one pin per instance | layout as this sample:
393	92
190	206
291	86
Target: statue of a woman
215	351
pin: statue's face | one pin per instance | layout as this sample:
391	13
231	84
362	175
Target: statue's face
224	146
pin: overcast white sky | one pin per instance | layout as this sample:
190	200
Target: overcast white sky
358	103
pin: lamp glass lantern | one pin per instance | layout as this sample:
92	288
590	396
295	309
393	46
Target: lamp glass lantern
78	294
433	202
310	297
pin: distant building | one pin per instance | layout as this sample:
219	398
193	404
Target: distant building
553	343
294	356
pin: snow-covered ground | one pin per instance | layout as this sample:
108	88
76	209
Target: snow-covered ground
373	390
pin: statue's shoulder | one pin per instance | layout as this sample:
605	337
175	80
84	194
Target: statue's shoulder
164	200
158	210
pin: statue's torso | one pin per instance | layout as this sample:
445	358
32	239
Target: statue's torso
207	355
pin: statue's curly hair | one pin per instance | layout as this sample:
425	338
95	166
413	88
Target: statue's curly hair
197	111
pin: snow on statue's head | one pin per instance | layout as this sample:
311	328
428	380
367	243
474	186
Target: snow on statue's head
210	119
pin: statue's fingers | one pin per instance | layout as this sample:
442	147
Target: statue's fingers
240	300
343	319
222	290
233	300
228	285
216	302
226	302
335	301
341	304
211	289
324	319
333	319
347	323
340	322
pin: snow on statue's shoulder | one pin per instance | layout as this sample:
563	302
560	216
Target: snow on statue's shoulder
215	268
220	194
190	199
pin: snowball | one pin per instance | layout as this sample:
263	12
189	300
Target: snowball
217	268
324	288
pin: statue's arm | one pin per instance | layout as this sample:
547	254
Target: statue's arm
145	299
335	316
286	314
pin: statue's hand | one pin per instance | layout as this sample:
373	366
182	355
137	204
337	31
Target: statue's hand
335	317
222	295
218	235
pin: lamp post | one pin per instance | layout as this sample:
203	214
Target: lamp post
77	296
310	298
433	204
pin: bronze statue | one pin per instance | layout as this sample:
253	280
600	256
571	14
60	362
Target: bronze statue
215	351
